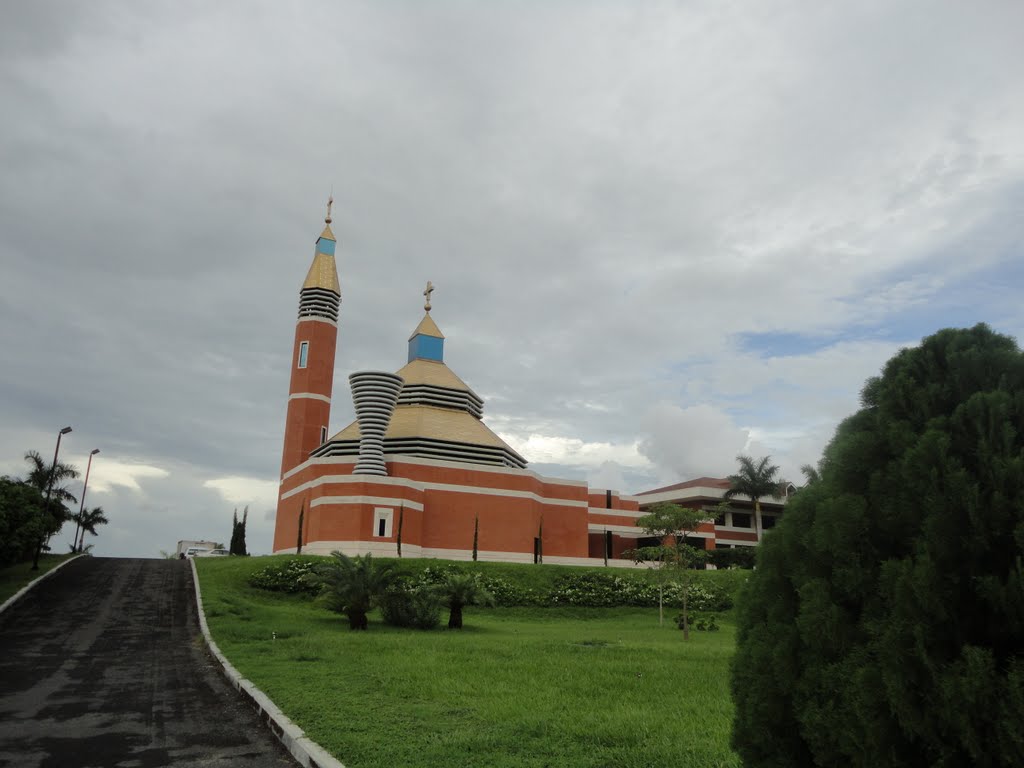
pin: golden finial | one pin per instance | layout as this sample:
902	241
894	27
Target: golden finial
430	290
330	202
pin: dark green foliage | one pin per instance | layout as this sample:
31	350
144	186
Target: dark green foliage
699	621
398	537
352	585
237	545
884	624
22	525
736	557
410	605
712	591
49	480
459	590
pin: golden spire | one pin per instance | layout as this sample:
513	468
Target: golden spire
430	290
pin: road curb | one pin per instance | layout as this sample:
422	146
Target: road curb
9	602
302	748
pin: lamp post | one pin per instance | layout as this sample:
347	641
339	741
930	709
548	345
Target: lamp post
49	488
81	507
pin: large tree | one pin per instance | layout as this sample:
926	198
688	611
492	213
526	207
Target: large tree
756	479
884	624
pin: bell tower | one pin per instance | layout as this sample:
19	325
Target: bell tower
316	337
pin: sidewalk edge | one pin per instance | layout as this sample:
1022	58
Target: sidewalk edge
305	750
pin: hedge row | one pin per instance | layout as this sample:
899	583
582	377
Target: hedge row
599	589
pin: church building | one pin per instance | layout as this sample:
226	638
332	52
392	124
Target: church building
419	473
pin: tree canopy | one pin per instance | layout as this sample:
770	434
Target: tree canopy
884	624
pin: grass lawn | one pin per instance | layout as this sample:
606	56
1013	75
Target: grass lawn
14	577
516	687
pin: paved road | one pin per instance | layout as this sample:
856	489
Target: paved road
103	664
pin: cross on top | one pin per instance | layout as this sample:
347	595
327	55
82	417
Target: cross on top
330	202
430	290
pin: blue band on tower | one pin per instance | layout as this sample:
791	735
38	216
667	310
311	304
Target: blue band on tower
426	348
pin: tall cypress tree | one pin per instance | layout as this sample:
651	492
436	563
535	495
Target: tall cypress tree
884	624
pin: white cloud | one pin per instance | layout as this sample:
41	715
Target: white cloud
549	449
245	490
107	473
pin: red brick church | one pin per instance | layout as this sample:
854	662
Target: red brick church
419	464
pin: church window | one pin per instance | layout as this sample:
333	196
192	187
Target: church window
303	353
382	522
323	435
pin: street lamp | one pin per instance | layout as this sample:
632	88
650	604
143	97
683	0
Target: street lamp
81	508
49	488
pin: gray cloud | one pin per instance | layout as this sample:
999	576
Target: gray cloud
609	200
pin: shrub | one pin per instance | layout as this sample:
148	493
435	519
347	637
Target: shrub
405	605
700	622
735	557
289	576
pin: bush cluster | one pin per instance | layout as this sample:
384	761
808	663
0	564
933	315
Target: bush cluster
289	576
586	588
605	590
409	605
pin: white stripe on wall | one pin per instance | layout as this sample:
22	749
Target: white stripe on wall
377	500
402	482
309	396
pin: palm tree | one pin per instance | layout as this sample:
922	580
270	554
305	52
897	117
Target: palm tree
88	520
352	585
811	474
42	475
459	590
755	480
49	481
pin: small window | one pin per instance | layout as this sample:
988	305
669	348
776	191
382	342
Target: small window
767	521
382	517
323	435
303	353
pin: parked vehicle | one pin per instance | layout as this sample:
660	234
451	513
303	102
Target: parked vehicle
213	553
195	546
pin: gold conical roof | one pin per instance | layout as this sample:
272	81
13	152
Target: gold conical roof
427	327
436	423
323	273
420	371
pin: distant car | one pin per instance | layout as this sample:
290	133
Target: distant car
213	553
195	551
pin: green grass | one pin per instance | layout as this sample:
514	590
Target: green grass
14	577
517	687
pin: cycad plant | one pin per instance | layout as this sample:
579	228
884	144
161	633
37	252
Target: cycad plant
352	585
459	590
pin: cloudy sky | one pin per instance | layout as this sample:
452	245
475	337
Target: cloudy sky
662	234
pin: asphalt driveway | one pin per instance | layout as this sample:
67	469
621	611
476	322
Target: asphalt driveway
103	664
